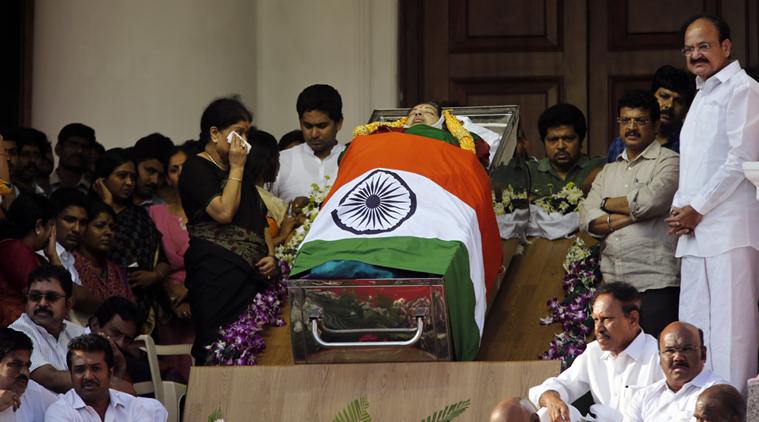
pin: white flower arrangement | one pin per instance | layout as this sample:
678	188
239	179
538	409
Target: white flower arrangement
288	251
566	201
506	204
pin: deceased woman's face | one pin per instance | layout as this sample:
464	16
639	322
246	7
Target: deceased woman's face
423	114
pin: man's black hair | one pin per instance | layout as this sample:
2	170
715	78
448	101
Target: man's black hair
76	130
24	213
12	340
153	146
29	136
562	114
628	295
675	80
68	197
90	343
638	98
290	137
123	307
722	27
50	271
322	98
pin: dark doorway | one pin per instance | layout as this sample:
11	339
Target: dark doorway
16	41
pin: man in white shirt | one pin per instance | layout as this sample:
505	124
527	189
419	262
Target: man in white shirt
48	302
682	356
90	359
21	400
715	212
621	359
70	223
320	110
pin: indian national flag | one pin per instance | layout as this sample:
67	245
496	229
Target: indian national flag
414	203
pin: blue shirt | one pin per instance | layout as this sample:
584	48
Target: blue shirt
617	146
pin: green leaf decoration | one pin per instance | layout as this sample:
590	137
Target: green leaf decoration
215	415
357	411
448	413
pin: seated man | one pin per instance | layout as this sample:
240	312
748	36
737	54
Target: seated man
674	90
621	358
48	302
90	359
562	128
627	206
21	399
513	409
721	402
682	359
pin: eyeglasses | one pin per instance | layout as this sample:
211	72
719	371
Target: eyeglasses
698	48
51	297
640	121
671	351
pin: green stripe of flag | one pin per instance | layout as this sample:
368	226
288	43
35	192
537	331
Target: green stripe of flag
446	258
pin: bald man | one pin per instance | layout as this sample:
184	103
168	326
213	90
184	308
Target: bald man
513	409
682	356
720	403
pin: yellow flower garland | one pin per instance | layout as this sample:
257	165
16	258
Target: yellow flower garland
451	122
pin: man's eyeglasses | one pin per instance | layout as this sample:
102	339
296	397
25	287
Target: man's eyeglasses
698	48
51	297
671	351
640	121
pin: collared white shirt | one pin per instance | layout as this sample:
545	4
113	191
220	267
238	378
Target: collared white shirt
720	133
611	380
299	168
67	259
657	403
122	408
48	350
34	402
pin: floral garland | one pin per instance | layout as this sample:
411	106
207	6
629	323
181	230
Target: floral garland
372	127
507	204
240	341
287	251
582	277
566	201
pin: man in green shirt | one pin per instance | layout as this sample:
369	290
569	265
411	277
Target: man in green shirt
562	128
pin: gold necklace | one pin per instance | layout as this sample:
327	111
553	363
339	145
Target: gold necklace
214	161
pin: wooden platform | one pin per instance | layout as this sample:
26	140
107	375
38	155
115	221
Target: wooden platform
395	391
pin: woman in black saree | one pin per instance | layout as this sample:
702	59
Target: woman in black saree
230	257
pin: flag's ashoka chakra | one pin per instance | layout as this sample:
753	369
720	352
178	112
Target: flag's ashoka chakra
378	203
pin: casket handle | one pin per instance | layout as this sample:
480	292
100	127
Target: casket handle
420	315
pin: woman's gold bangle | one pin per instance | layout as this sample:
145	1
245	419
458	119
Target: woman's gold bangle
236	179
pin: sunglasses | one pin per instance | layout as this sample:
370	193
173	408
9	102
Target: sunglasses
51	297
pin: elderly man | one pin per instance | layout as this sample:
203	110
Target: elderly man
90	359
21	399
627	206
715	212
320	110
622	358
674	90
720	403
682	357
513	409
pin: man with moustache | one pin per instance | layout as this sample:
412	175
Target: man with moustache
626	208
682	356
149	153
320	110
674	90
562	128
70	223
621	359
720	403
21	399
30	144
714	212
48	302
72	148
90	359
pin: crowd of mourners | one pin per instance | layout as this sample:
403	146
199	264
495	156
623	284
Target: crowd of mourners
174	241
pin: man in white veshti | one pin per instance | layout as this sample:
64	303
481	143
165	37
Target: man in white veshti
715	212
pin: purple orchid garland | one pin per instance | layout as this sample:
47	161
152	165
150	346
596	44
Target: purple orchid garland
580	281
241	341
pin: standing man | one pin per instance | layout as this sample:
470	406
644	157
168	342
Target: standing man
715	212
149	154
320	110
74	142
627	206
70	223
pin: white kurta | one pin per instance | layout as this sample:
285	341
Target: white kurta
122	408
299	168
719	266
48	350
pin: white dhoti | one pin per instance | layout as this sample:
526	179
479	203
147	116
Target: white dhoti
719	295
